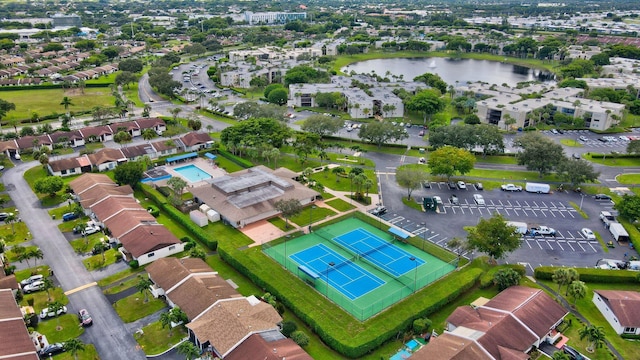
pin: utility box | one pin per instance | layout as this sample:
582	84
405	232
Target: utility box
199	218
213	215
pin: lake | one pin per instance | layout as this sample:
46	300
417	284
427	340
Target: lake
452	70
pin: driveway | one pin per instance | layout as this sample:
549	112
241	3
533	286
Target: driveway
108	334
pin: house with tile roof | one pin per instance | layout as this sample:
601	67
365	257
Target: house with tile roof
194	141
247	196
148	242
16	342
620	308
107	159
262	347
504	328
228	323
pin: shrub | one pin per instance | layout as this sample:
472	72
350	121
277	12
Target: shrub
421	325
154	211
592	275
288	327
134	264
300	338
486	280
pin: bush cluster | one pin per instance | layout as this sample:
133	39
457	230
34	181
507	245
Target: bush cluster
592	275
238	161
486	280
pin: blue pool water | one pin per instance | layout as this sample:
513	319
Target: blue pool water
413	345
192	173
401	355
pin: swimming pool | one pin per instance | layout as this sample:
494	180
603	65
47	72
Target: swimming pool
192	173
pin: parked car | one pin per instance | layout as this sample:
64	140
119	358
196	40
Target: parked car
31	279
69	216
583	138
461	185
33	287
421	133
478	199
4	216
422	160
542	231
438	200
85	318
452	185
379	211
46	313
52	349
426	184
588	234
576	156
573	353
479	186
603	197
454	200
511	187
554	131
90	230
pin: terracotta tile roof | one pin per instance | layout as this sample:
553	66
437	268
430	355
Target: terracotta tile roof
164	145
8	145
16	342
147	238
87	181
625	305
101	192
110	206
532	306
195	138
149	123
64	164
106	155
127	220
132	152
8	282
95	131
199	292
127	125
229	322
256	347
452	347
167	272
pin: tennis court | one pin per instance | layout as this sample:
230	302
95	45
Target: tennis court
340	272
371	270
382	254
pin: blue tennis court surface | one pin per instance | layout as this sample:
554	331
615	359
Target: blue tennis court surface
382	254
345	276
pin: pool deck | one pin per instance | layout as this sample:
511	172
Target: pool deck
204	165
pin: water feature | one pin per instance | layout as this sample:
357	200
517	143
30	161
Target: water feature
452	71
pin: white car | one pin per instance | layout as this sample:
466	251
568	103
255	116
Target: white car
33	287
588	234
437	199
31	279
478	199
462	185
511	187
90	230
46	313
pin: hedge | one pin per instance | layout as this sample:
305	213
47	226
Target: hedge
486	280
48	86
616	156
634	234
591	275
336	328
237	160
179	217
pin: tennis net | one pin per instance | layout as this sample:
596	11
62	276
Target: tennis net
375	249
337	266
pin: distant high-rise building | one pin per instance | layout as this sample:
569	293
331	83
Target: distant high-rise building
64	20
272	17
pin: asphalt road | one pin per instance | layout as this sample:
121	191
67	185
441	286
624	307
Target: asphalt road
108	334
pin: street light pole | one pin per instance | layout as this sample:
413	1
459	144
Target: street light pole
329	265
415	272
424	234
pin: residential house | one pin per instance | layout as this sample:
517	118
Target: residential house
247	196
68	138
35	142
620	308
97	133
158	125
66	167
89	181
164	147
8	281
147	243
110	205
505	327
268	348
228	323
107	159
131	127
16	342
194	141
136	152
9	148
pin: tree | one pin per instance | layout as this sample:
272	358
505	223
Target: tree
560	276
66	102
306	144
131	65
594	335
189	350
494	237
5	107
559	355
129	173
49	185
73	346
629	207
288	208
577	290
322	125
278	96
177	184
539	153
577	171
122	137
146	110
505	278
194	124
125	78
380	132
148	134
288	327
165	321
143	285
433	80
34	253
197	253
174	112
300	338
632	148
572	275
428	102
48	285
410	179
54	307
449	160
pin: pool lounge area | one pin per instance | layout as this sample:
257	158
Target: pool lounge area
409	348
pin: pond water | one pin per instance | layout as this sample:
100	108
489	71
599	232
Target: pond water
452	70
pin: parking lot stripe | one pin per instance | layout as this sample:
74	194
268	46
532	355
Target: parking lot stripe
560	212
506	211
550	212
538	242
560	245
592	248
527	204
570	213
572	249
432	236
536	205
548	243
579	244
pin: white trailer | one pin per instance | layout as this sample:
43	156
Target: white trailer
537	188
521	227
619	233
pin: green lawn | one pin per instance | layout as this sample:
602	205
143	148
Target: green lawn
15	233
123	285
96	262
340	205
47	101
41	299
38	172
60	329
343	183
112	279
12	257
157	339
93	146
133	307
628	178
89	353
314	215
85	244
508	160
613	161
412	203
23	274
570	143
279	223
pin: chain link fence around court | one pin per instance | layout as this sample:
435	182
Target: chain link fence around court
368	305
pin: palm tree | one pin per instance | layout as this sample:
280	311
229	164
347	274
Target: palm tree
11	219
48	285
577	290
148	134
66	102
165	321
73	346
55	307
143	287
339	171
275	154
594	335
560	277
35	253
146	110
572	275
189	350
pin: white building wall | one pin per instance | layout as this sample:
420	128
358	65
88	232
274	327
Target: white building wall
161	253
607	313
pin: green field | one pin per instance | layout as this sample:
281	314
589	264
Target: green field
47	101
